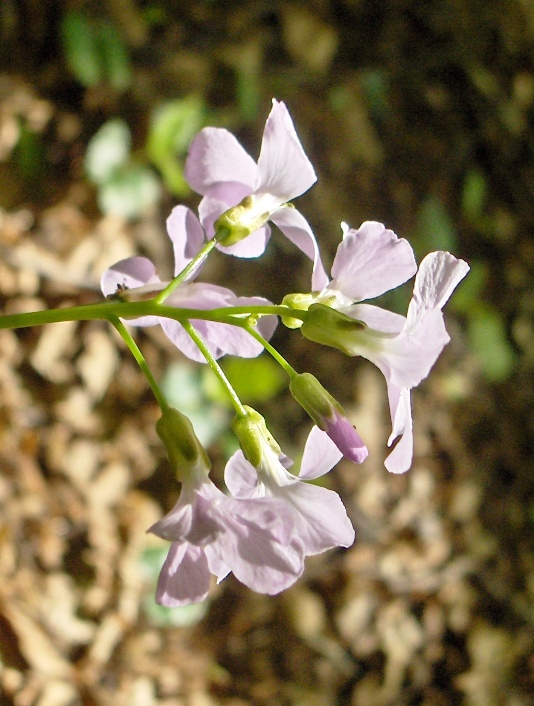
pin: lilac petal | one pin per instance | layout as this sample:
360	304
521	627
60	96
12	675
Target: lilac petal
296	228
320	455
283	168
187	237
252	246
176	333
129	273
322	521
260	562
176	524
439	273
240	476
216	156
400	459
347	439
406	358
217	567
221	338
370	261
184	577
266	324
376	318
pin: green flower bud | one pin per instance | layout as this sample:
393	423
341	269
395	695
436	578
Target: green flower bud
187	456
314	399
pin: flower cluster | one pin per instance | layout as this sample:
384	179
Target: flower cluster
269	519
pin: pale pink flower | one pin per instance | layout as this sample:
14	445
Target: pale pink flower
318	515
138	276
369	262
224	173
213	534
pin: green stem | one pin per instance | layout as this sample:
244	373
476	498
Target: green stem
139	357
188	269
197	338
291	372
132	310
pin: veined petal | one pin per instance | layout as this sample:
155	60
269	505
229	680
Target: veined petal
320	455
240	476
321	519
259	561
400	459
186	235
217	567
370	261
131	273
283	168
439	273
184	577
252	246
216	156
296	229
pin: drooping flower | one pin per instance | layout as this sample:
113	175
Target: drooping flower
319	516
138	276
369	262
214	534
249	194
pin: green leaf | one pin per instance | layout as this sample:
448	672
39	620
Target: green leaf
255	380
172	128
114	56
81	48
474	194
184	387
107	151
129	192
488	341
435	228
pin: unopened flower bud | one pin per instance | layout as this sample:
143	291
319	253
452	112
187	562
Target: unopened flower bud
328	415
187	456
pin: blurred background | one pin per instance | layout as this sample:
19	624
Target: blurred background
417	114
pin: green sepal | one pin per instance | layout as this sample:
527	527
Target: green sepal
187	456
252	434
331	328
314	399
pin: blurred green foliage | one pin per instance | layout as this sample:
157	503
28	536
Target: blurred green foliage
125	188
95	51
172	127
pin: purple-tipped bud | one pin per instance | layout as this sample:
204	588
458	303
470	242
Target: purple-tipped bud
329	416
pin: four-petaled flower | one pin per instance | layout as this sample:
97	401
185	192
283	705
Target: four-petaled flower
136	277
319	516
213	534
369	262
228	178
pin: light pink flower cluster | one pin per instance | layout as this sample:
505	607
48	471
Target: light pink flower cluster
261	532
271	519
